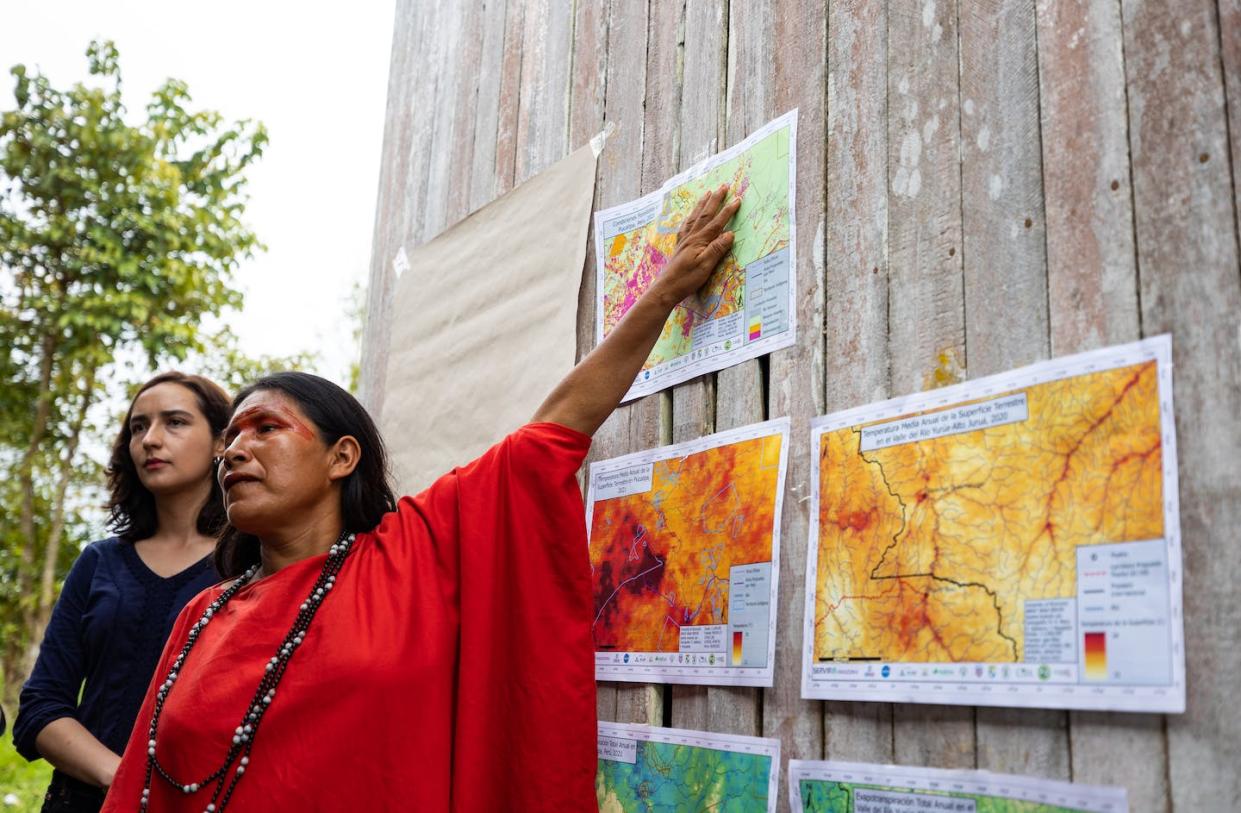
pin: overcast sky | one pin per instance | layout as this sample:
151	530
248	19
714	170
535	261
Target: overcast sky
314	73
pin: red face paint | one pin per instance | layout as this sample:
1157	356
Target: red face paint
257	420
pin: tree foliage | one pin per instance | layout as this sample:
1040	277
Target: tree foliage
116	235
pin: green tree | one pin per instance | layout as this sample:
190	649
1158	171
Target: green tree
114	236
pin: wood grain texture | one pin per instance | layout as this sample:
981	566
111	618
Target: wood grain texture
634	426
543	111
1092	290
486	74
407	87
1091	271
443	49
739	389
1230	53
509	103
465	58
799	79
587	77
854	292
927	315
1001	181
1006	313
1190	286
934	736
1129	750
700	125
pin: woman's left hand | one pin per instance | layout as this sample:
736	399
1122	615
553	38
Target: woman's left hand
701	246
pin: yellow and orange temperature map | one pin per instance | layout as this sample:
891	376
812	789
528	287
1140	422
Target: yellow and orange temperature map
928	550
661	559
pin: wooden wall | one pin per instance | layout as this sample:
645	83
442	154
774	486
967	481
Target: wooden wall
981	184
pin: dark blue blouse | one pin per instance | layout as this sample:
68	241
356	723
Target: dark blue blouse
108	629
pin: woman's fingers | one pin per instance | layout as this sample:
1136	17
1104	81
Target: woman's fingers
706	208
725	214
714	253
687	225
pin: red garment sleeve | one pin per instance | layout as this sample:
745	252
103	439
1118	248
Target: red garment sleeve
526	734
126	788
509	533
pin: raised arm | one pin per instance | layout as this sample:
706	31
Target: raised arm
594	388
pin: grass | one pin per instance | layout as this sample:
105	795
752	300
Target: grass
24	780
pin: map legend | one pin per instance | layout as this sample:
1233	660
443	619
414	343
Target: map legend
738	636
1123	611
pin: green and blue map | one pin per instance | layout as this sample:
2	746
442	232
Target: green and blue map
679	777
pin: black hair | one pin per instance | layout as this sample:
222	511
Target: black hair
366	493
131	507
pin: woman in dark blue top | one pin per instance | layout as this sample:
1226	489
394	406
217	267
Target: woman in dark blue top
123	593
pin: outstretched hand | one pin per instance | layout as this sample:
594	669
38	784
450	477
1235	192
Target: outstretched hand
701	246
595	386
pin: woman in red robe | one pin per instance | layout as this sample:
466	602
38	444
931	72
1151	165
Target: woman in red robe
431	654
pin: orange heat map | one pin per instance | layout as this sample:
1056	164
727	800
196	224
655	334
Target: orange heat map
928	550
660	560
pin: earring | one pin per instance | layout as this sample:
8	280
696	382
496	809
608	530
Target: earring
216	461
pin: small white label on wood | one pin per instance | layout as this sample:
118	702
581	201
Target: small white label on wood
400	263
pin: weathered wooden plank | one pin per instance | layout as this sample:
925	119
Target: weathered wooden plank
704	61
1002	191
934	736
424	46
739	389
853	293
487	77
589	58
585	121
634	426
1190	286
466	56
925	283
542	125
1230	44
799	79
509	106
443	49
1092	288
650	417
661	126
1092	279
1005	262
586	101
927	318
393	216
1128	750
588	74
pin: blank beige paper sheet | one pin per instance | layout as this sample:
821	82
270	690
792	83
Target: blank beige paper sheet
485	323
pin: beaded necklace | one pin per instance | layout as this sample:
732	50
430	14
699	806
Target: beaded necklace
244	734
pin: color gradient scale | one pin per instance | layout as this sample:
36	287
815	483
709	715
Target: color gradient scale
1096	655
738	635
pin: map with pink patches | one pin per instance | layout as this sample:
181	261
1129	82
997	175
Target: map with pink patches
746	309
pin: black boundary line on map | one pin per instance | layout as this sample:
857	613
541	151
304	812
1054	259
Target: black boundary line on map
995	600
